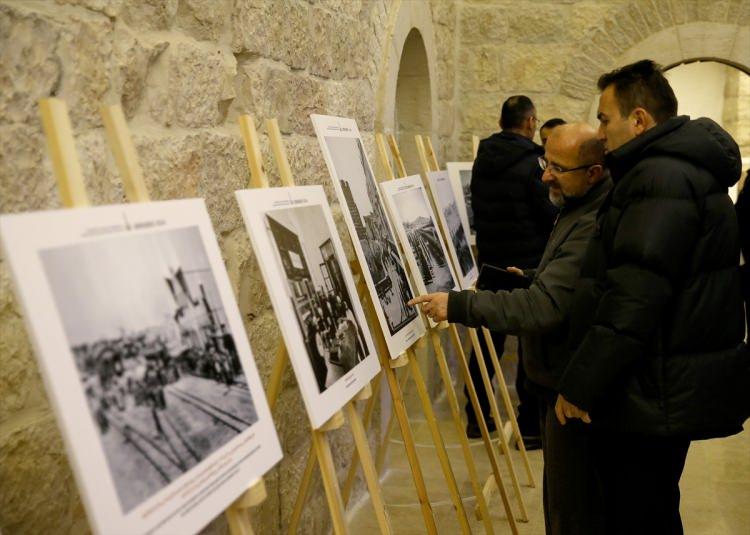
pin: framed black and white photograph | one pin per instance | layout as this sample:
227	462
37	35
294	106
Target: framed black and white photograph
460	177
456	235
146	361
313	294
418	231
373	238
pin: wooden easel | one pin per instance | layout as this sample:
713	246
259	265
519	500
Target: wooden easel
443	365
121	144
319	448
67	170
429	163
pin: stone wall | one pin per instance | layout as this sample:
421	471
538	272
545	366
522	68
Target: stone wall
183	72
554	51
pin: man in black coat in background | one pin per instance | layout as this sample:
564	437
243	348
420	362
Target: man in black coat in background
513	218
657	322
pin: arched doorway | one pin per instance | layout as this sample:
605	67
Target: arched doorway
413	109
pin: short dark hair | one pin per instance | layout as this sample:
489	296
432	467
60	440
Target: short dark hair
591	151
515	111
551	123
642	85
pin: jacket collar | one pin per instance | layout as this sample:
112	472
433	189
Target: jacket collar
594	193
622	159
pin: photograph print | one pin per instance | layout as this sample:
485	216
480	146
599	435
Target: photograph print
456	234
154	353
420	235
370	229
145	360
313	295
323	306
460	175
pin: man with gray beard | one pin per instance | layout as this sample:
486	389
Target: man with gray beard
578	184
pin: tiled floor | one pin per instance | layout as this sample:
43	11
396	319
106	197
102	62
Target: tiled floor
715	486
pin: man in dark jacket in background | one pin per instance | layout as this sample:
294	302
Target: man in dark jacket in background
657	318
578	184
513	218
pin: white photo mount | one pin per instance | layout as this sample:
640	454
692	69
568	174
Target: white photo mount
458	171
417	229
112	295
456	234
303	263
369	227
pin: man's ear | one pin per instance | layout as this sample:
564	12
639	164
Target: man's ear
641	121
594	174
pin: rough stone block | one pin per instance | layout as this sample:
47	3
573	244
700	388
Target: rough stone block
34	453
199	86
29	66
150	14
172	165
533	68
204	19
250	29
538	23
481	111
111	8
132	60
479	68
27	181
650	15
587	16
482	25
707	39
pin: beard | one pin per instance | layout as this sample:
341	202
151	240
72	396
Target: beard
556	198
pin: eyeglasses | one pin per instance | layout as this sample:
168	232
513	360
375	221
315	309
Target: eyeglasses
556	169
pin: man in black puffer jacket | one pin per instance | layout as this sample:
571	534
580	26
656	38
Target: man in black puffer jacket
657	320
513	219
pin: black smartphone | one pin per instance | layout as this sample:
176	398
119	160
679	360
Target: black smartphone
495	278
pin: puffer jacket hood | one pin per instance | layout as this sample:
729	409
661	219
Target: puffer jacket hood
506	148
700	141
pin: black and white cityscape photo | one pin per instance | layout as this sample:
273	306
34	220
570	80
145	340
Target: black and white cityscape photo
452	219
155	355
323	306
424	240
373	232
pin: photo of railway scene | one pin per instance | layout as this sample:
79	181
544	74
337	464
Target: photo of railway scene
157	361
449	207
375	238
424	240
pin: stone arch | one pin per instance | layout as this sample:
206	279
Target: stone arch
410	55
669	32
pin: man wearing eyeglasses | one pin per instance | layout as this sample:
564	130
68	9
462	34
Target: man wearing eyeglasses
512	218
578	183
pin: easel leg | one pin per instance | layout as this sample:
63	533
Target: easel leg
302	492
368	467
411	452
383	447
498	420
366	420
508	405
491	452
330	484
437	438
460	430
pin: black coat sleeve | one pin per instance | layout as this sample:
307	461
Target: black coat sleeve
649	249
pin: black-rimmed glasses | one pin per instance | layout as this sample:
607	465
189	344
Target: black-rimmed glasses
556	169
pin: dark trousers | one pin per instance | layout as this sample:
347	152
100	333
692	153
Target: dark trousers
640	478
572	492
528	410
